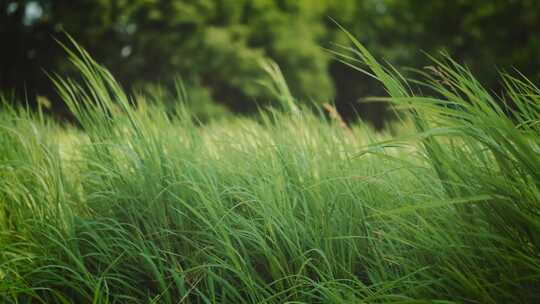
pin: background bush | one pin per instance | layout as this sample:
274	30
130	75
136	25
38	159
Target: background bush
215	44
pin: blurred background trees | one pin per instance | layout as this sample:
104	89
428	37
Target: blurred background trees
215	45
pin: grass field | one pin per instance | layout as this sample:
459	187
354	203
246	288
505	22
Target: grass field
138	205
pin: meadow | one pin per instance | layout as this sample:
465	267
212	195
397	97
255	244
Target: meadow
140	204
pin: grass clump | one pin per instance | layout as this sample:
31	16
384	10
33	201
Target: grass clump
141	206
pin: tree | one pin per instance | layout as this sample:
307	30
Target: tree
215	45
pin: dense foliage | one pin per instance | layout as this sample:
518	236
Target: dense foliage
215	45
138	206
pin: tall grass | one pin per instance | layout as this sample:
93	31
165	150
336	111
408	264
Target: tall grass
141	206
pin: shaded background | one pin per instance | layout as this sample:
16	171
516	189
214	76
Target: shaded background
215	45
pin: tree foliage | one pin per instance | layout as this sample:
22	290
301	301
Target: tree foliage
217	45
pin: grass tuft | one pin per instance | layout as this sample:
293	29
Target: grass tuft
141	206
